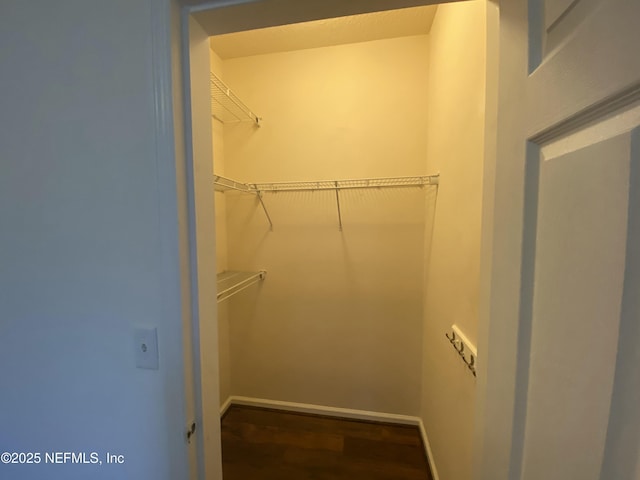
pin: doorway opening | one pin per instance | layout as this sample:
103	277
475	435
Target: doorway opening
350	291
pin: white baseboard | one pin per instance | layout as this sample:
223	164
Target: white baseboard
339	413
325	410
427	447
225	406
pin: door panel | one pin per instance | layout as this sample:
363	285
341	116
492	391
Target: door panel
561	386
561	18
582	110
622	452
596	68
554	9
579	276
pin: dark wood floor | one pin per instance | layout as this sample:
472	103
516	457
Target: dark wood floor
261	444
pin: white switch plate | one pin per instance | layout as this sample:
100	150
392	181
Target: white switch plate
146	348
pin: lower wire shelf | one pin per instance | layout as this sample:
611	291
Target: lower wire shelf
231	282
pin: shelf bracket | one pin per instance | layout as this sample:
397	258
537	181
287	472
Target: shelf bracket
265	211
338	204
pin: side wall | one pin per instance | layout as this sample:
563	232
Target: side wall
456	150
217	129
88	243
338	320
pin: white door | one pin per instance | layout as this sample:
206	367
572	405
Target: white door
562	377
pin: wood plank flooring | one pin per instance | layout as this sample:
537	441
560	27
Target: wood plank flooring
262	444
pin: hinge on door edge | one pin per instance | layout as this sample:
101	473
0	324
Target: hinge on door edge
191	431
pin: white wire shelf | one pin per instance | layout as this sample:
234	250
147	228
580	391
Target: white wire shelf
389	182
231	282
223	184
226	106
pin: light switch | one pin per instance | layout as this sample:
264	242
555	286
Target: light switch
146	348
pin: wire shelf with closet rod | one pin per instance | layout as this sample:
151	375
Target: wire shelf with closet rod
223	184
353	184
226	106
388	182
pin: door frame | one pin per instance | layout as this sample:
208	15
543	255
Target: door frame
499	373
503	369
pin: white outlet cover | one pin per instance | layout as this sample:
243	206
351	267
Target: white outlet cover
146	348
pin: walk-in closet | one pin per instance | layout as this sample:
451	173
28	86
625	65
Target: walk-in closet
347	168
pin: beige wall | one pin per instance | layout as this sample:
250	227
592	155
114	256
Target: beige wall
456	146
89	238
217	129
338	320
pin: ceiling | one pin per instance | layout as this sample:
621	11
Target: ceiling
218	17
327	32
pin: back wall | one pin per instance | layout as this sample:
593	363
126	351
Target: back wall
338	320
